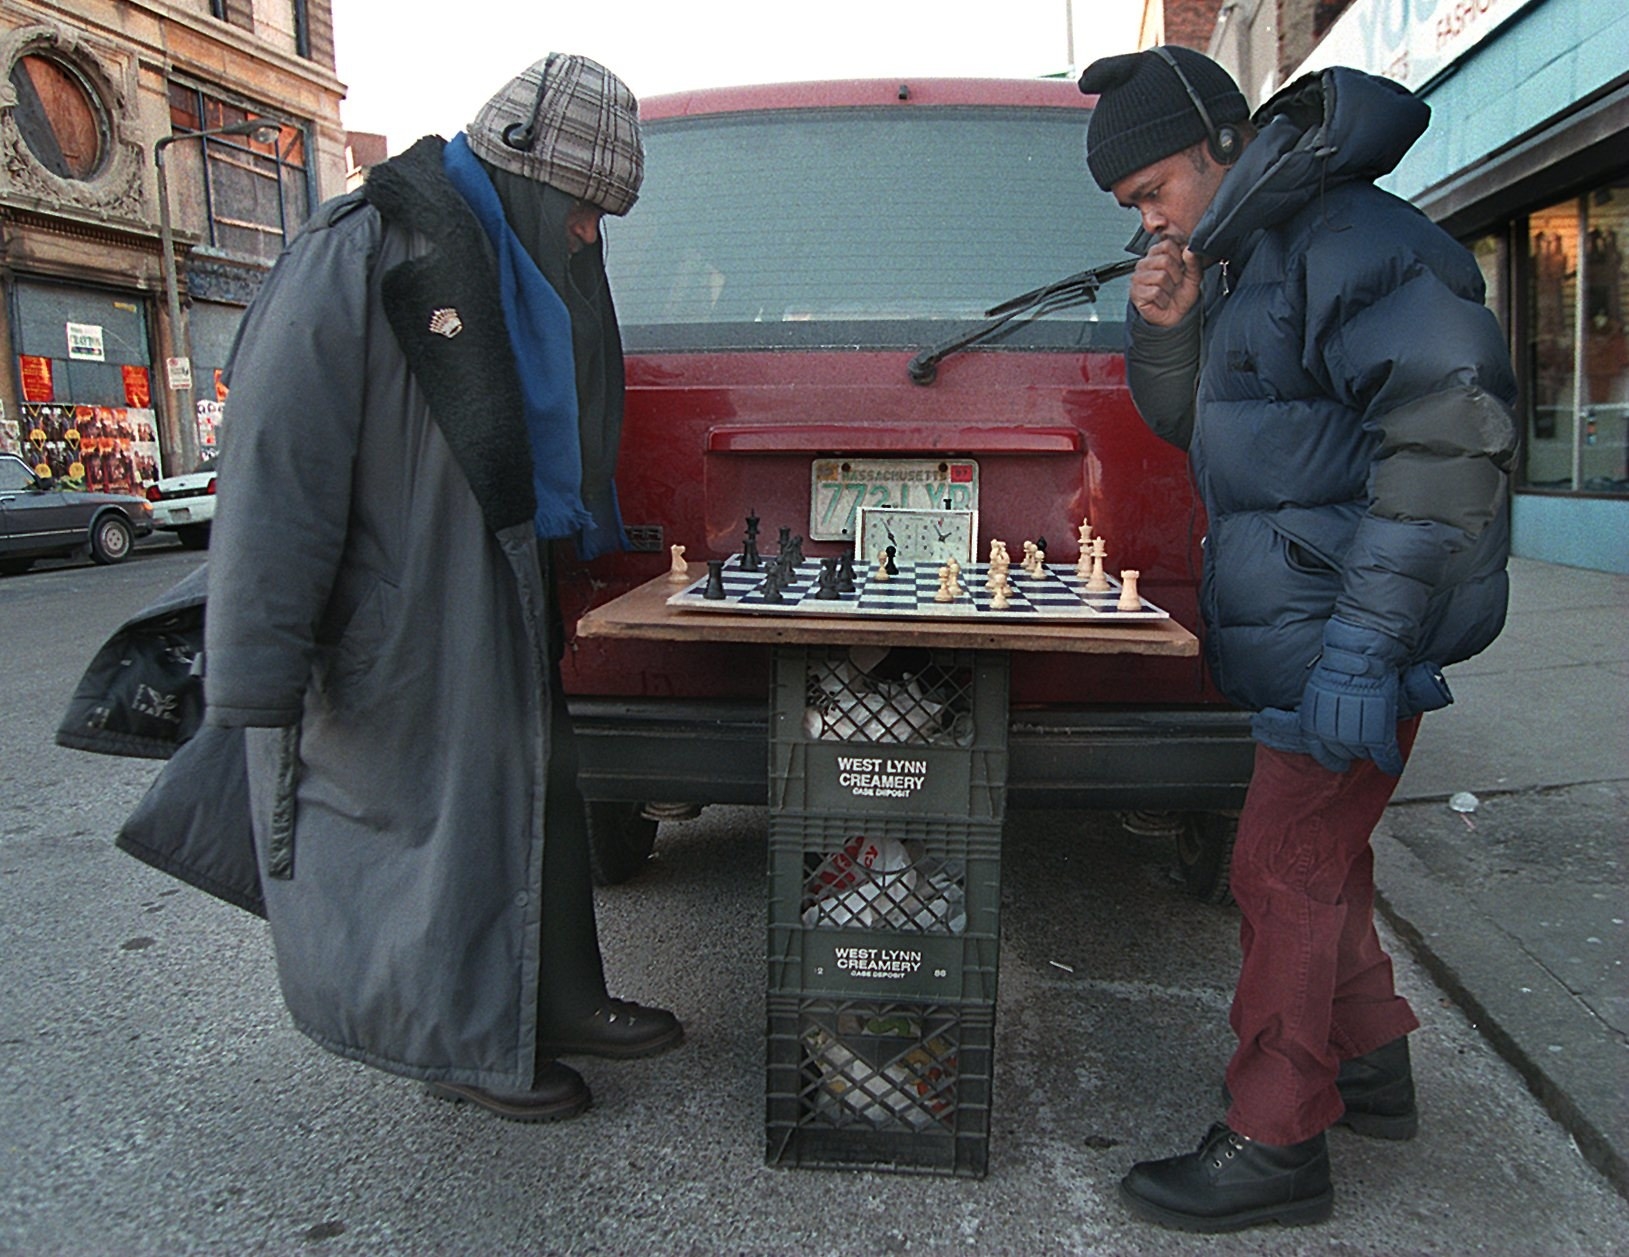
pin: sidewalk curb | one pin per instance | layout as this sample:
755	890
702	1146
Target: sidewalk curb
1577	1073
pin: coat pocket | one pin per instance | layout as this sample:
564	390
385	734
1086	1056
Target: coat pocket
358	646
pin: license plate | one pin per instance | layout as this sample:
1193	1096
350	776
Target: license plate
181	512
839	487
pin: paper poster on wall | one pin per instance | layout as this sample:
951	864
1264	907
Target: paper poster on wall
138	387
209	423
85	342
36	373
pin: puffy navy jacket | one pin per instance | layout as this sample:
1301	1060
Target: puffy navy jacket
1345	398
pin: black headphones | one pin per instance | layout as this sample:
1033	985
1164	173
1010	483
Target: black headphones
1224	141
522	138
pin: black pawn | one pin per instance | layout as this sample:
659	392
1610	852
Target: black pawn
890	566
715	580
827	592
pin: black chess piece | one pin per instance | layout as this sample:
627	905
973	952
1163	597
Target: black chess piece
827	590
715	580
796	549
752	526
750	561
890	566
845	572
785	538
771	588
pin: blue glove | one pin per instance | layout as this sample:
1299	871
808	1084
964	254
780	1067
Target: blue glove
1279	729
1422	688
1349	707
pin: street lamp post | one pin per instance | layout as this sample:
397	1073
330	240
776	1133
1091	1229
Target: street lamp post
183	437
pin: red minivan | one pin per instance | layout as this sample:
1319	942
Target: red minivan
798	254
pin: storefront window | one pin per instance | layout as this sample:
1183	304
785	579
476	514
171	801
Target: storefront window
253	195
1577	357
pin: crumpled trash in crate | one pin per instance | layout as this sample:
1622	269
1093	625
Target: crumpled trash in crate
877	883
911	1088
848	702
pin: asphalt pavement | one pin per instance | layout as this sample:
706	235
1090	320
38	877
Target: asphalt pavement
154	1098
1518	907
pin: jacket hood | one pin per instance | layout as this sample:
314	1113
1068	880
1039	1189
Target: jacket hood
1327	128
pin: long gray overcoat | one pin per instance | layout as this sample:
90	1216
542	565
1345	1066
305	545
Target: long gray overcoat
377	623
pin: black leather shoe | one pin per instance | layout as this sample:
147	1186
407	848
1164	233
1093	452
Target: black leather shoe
1378	1091
1231	1183
618	1028
558	1092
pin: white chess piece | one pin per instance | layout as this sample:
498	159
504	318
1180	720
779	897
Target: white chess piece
998	600
882	565
680	570
944	594
1129	598
1098	582
1085	532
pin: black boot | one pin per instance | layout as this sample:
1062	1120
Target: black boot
1379	1093
618	1028
1232	1182
558	1092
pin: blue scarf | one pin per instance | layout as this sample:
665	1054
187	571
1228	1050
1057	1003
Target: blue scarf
539	329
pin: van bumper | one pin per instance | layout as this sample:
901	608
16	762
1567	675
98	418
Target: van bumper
1090	758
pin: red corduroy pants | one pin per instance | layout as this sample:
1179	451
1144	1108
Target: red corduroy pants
1315	986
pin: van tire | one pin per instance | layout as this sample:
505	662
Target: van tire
1205	855
620	840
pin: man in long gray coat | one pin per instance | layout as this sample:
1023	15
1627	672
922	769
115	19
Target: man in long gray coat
426	393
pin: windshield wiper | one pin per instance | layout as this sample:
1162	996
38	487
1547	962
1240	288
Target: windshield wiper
1064	294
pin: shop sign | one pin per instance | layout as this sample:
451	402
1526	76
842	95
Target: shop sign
1411	41
85	342
36	373
179	371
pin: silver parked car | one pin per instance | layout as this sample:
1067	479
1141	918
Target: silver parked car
39	520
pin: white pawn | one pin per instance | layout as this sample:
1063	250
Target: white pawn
957	589
882	565
680	570
944	594
1129	598
999	600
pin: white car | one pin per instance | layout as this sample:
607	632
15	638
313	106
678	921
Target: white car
185	504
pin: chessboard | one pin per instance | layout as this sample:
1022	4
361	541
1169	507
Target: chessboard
1056	594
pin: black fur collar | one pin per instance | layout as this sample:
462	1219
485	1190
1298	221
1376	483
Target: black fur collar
445	309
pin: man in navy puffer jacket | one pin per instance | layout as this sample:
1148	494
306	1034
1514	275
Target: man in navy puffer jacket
1323	352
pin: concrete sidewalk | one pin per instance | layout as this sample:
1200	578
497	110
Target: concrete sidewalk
1518	908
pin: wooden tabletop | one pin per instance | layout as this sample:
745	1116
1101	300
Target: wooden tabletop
643	613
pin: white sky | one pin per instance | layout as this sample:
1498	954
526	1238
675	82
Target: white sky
419	66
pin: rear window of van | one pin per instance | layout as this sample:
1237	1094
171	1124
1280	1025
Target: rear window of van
862	228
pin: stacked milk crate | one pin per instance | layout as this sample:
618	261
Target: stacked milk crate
887	788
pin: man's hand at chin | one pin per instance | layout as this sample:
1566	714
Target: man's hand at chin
1165	285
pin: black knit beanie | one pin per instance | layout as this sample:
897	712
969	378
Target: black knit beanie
1143	114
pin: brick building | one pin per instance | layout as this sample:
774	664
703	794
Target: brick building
91	90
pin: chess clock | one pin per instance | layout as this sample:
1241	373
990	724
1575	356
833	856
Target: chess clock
917	534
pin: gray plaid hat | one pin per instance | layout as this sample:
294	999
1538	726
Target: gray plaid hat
579	133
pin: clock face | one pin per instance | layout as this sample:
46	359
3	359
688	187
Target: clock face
931	536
